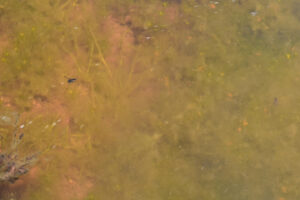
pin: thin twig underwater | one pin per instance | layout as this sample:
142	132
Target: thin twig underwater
11	165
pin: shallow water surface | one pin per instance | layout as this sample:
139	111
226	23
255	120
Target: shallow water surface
157	99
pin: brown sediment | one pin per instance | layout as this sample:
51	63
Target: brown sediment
6	101
81	12
172	12
3	42
26	179
50	107
18	188
121	42
73	185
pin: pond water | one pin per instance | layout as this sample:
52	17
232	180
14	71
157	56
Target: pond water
152	100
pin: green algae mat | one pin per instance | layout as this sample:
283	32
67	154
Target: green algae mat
150	99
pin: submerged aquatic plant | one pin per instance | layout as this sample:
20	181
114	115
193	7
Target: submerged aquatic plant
11	165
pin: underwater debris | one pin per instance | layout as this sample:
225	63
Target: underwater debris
275	101
253	13
21	136
8	118
11	165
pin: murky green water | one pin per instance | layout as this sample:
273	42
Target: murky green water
179	100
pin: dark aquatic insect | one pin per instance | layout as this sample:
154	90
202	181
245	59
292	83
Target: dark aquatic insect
71	80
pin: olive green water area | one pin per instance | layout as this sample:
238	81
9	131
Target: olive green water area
152	100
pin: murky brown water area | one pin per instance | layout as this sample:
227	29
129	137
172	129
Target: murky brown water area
190	99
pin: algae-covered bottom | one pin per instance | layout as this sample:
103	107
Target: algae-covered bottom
156	99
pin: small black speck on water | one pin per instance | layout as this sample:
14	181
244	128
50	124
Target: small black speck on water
21	136
71	80
275	102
